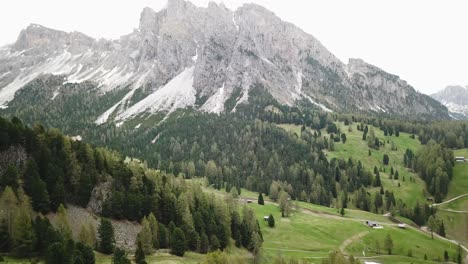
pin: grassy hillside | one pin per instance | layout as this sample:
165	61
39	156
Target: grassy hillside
312	231
459	183
357	149
405	241
456	224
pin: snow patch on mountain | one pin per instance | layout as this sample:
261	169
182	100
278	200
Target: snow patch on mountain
177	93
195	58
55	94
8	93
105	116
215	104
234	21
4	74
456	108
116	77
323	107
140	80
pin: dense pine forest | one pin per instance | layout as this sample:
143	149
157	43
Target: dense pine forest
247	149
42	171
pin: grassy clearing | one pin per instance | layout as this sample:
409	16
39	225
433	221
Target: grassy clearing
461	152
302	235
459	183
398	260
456	225
349	213
404	240
312	231
460	204
356	148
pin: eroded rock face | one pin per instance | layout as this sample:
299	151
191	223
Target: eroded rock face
100	193
13	156
387	92
223	50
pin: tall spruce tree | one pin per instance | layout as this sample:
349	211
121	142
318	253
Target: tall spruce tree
153	223
106	236
179	243
145	236
23	235
63	225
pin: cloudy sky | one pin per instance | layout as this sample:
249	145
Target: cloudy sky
423	41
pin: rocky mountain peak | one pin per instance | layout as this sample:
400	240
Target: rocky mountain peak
455	98
206	57
456	89
178	8
148	20
36	36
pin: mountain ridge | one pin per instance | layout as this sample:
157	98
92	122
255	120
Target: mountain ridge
230	51
455	98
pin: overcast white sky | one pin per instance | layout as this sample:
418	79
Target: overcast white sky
423	41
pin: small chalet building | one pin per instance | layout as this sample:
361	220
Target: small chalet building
460	159
372	224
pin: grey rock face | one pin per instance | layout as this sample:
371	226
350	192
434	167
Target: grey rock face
385	92
198	57
455	98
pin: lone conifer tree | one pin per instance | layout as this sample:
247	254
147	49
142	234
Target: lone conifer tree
260	199
271	221
106	237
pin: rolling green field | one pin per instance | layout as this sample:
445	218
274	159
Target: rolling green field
356	148
456	224
303	235
312	231
460	204
461	152
404	240
459	183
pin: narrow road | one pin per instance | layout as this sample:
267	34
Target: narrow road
352	239
453	211
451	200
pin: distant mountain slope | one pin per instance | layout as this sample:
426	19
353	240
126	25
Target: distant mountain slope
455	98
191	57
